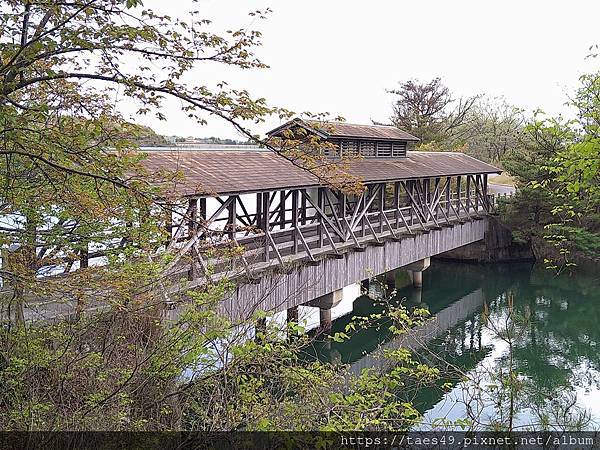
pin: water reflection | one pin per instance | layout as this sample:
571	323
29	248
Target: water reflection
555	353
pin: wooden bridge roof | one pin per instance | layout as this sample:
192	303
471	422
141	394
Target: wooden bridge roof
235	172
340	130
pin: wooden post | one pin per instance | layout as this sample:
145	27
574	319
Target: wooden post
411	205
468	193
168	223
232	218
477	178
265	223
321	204
193	216
458	179
192	230
282	209
436	196
381	205
396	203
448	182
368	196
295	221
342	207
258	217
485	193
303	208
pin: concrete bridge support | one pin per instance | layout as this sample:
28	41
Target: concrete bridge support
292	315
325	303
416	271
397	279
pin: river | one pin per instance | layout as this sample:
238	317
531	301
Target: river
555	342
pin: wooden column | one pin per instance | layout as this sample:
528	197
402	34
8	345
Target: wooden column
265	223
282	209
295	221
477	178
381	207
232	218
436	197
342	206
448	182
458	180
321	205
468	193
258	217
192	216
485	193
168	217
192	230
408	187
303	210
365	202
396	203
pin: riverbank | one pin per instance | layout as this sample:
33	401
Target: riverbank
498	246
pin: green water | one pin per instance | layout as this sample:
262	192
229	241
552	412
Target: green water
555	343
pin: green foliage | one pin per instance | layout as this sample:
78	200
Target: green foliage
135	353
559	180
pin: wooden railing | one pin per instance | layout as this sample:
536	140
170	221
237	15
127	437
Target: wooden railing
323	233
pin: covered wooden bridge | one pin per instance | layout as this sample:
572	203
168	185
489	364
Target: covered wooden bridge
295	239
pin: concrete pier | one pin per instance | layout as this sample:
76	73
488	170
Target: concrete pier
417	278
325	303
416	271
260	327
397	279
292	314
325	319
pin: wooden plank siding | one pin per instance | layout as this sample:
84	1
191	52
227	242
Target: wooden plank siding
280	291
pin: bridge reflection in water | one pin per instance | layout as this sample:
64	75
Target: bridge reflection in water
453	293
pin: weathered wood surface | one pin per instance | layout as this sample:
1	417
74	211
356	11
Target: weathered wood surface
290	246
302	283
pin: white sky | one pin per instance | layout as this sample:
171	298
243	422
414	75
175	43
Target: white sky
340	56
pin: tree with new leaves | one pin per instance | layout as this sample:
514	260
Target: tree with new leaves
558	174
72	185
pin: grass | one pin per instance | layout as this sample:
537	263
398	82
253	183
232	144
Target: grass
503	179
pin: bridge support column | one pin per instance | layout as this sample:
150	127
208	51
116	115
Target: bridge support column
292	317
417	278
416	296
260	327
397	279
325	319
416	271
325	303
292	314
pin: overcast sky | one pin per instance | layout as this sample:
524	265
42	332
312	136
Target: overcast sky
340	56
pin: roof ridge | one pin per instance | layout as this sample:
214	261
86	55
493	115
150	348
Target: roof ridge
351	123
